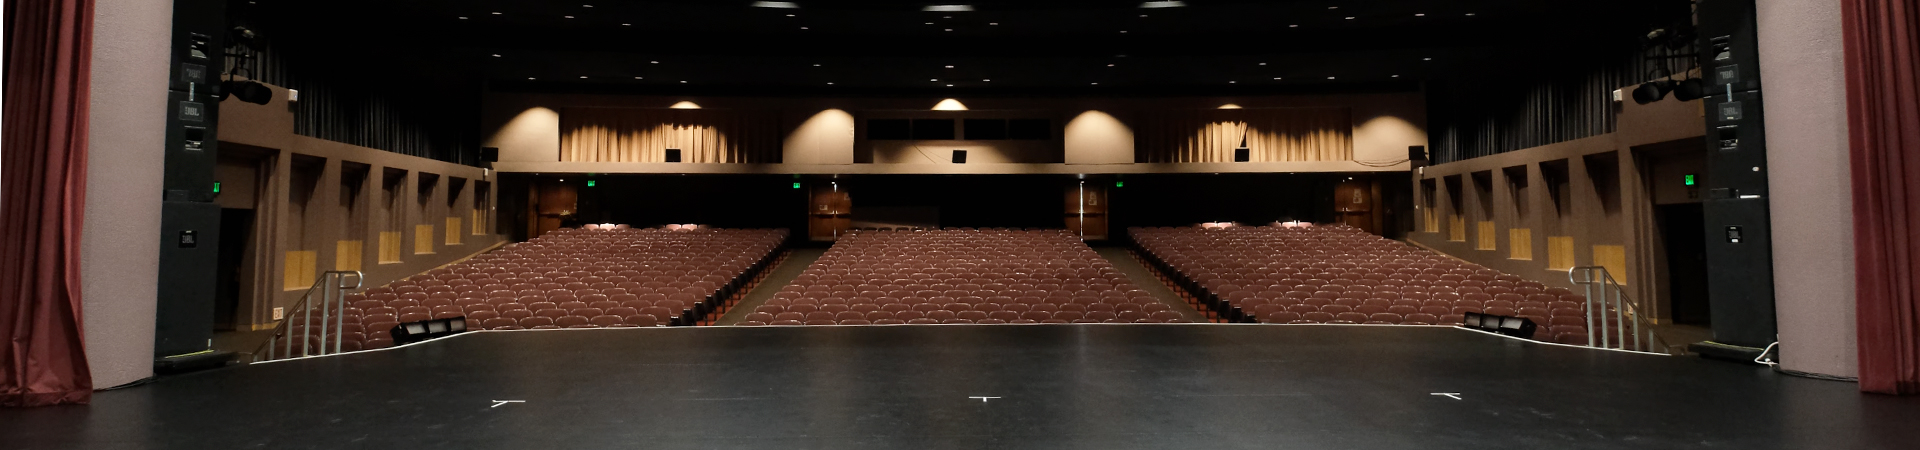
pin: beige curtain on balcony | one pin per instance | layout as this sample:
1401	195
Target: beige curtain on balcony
1279	134
644	135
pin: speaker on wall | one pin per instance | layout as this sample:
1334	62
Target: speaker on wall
1417	153
1242	154
959	156
673	155
489	154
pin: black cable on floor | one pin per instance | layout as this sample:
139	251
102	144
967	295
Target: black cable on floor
132	384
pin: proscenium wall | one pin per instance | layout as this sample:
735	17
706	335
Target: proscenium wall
822	131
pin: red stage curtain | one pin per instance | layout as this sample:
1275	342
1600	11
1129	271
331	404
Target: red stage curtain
1883	120
44	174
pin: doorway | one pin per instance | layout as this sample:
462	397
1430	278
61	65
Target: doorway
236	224
1682	228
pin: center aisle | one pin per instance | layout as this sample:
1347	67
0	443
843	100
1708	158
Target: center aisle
797	261
1144	278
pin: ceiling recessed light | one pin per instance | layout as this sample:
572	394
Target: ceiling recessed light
654	62
949	85
639	78
1276	78
1293	26
789	15
1329	78
1123	31
949	67
949	29
993	23
683	81
1426	59
829	83
986	79
626	24
1143	15
947	8
775	5
1349	17
496	13
463	17
586	6
569	17
935	80
496	55
803	28
1263	64
929	23
1333	7
1109	65
1419	14
1171	4
816	65
946	17
1396	76
1233	82
1469	14
529	78
1096	83
583	77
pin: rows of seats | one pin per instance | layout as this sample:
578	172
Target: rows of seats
571	278
983	276
1338	274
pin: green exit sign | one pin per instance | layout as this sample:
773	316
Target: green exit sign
1690	179
796	185
589	183
1119	184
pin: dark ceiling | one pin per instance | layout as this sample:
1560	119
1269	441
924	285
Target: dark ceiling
1009	47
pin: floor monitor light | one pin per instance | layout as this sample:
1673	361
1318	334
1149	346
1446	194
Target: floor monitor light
1519	327
412	332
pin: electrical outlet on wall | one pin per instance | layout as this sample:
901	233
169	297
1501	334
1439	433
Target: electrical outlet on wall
279	313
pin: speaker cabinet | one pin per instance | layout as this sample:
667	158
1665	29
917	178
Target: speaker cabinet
1417	153
1740	271
673	155
1242	154
1729	45
959	156
189	255
191	147
1736	146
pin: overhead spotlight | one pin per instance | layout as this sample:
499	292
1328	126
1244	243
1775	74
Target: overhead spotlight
1689	90
1651	91
247	91
947	8
775	5
1170	4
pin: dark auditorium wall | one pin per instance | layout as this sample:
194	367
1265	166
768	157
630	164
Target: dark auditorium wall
365	89
321	205
1534	212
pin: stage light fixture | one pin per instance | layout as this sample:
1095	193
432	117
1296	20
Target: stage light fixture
1689	90
1165	4
1651	91
1519	327
775	5
247	91
947	8
411	332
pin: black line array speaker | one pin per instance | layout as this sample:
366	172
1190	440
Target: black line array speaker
189	219
1739	237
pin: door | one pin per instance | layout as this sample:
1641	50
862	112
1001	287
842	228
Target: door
235	225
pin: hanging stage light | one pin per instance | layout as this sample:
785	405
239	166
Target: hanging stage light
1689	90
1651	91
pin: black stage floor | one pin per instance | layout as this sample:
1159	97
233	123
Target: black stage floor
1046	387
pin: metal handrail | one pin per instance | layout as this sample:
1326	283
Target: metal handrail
1625	311
333	308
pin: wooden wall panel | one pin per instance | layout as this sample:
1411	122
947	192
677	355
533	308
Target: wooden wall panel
454	230
1488	237
300	269
1614	258
348	254
423	239
1560	252
1457	228
1520	244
